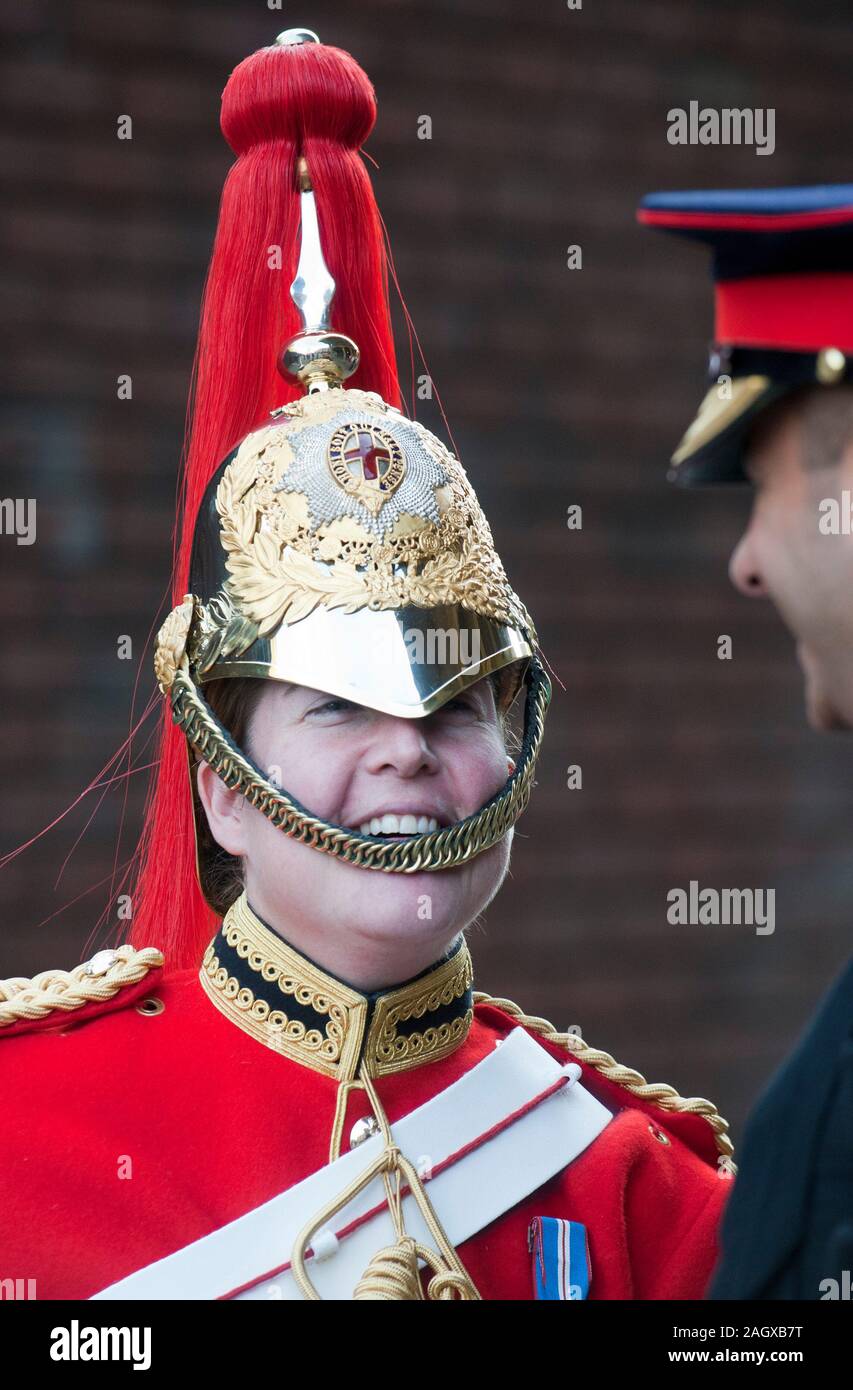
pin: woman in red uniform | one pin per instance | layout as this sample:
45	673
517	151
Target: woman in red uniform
284	1085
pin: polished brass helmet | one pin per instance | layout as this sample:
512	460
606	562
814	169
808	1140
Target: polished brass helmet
342	547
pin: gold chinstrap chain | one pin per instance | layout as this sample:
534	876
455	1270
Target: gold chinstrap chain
438	849
656	1091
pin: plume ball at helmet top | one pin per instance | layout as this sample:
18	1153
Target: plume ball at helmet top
296	94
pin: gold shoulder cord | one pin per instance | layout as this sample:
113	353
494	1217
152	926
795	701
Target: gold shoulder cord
392	1274
657	1091
100	978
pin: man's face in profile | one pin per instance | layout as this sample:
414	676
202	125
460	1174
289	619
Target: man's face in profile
799	456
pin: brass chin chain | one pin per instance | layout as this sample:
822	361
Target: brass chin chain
439	849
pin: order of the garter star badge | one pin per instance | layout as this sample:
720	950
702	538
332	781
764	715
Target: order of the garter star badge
366	462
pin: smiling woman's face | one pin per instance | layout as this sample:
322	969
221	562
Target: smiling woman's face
353	766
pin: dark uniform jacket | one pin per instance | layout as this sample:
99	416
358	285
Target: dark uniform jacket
788	1230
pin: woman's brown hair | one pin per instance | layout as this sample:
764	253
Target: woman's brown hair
233	702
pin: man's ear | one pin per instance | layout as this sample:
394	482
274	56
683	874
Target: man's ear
223	807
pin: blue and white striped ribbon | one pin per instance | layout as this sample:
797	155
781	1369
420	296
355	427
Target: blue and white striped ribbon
560	1250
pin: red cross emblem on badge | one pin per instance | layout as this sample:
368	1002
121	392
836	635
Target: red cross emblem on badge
366	462
366	458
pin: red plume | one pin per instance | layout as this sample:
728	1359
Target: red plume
280	103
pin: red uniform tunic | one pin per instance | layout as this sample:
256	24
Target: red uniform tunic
129	1133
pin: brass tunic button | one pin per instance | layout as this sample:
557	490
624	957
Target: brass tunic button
363	1129
658	1134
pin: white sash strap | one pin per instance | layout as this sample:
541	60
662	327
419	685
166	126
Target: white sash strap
487	1139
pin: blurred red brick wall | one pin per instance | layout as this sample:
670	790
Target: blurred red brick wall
561	387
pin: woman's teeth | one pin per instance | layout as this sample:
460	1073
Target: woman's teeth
389	824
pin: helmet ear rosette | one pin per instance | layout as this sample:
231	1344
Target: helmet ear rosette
342	547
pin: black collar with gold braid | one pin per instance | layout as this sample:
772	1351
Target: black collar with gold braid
283	1000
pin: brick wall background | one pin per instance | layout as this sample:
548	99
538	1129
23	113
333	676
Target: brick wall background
561	387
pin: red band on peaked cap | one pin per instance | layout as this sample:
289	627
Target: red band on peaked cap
744	221
800	313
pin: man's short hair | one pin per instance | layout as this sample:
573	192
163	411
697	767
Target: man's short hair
827	417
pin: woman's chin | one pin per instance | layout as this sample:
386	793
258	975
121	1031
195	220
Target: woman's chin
432	904
411	904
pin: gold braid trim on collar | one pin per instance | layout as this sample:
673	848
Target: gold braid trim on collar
283	1000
